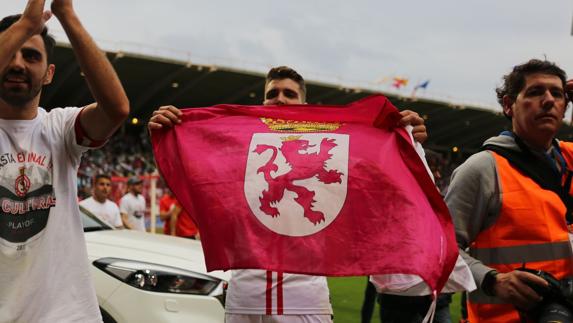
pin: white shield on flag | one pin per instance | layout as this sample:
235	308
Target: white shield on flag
295	184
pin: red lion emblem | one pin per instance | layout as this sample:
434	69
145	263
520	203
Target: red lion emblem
303	165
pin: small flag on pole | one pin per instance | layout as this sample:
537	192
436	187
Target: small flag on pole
420	85
400	82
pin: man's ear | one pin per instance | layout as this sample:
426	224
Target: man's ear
49	74
508	106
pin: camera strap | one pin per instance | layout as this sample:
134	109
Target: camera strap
540	170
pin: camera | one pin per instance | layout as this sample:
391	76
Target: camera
557	303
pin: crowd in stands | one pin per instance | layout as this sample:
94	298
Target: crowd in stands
124	155
442	166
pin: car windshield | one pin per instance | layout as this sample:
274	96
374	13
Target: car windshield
91	223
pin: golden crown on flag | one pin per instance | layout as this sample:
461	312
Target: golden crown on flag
299	126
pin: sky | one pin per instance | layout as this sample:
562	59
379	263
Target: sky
463	47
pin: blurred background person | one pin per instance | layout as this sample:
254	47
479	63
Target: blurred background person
177	222
132	205
99	203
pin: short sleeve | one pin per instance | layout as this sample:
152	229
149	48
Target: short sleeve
117	215
60	126
124	205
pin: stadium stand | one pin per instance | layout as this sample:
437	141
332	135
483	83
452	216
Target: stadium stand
455	130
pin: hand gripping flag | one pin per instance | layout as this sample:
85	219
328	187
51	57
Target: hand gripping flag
321	190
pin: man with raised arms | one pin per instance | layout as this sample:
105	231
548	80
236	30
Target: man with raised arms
44	270
267	296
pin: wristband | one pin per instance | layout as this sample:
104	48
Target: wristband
488	283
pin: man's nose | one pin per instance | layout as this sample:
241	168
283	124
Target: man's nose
281	99
548	100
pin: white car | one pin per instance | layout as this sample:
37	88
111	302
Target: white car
141	277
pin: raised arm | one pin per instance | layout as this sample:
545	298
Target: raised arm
31	23
99	120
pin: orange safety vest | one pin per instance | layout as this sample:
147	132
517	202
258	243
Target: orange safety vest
531	229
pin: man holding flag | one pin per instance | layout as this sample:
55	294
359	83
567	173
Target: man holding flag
259	295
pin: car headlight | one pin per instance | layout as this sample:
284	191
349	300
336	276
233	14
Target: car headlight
159	278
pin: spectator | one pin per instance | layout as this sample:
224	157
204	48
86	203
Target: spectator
177	221
132	205
99	203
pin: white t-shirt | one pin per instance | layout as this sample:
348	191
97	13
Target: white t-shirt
107	211
255	291
44	273
134	207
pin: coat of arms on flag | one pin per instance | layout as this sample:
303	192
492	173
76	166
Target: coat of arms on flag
295	184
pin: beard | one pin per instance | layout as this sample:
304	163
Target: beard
19	95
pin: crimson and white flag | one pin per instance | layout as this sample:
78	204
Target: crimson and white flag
322	190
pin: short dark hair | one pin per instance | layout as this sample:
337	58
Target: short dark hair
49	41
514	82
285	72
100	176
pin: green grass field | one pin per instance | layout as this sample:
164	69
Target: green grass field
347	294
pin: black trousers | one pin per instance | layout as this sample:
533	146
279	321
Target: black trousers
370	296
412	309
